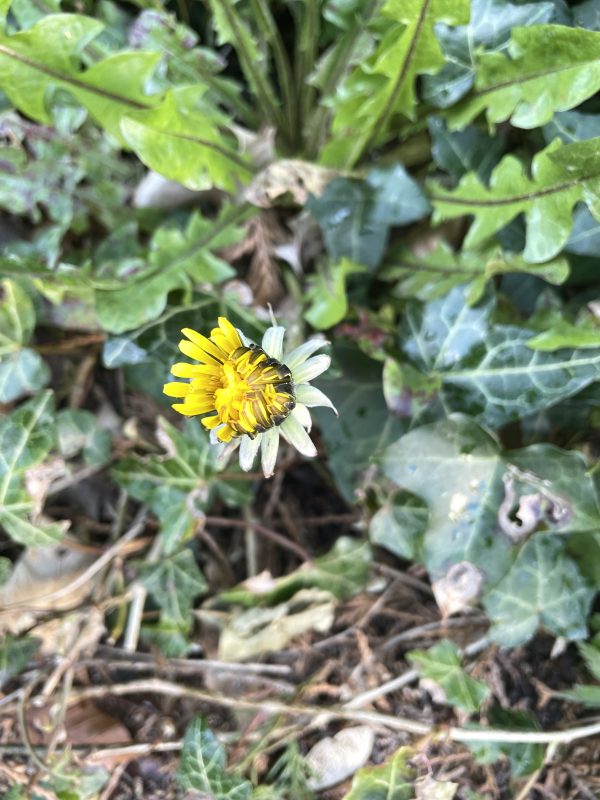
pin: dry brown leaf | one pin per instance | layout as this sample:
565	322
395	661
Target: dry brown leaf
34	584
288	176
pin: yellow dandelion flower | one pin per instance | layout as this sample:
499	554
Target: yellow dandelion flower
250	394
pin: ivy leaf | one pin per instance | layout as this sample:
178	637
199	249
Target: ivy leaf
174	582
456	468
356	216
427	277
490	27
442	664
474	493
22	370
77	430
354	386
469	150
572	126
176	486
176	260
399	525
488	368
183	139
547	68
543	588
383	86
561	176
26	437
203	766
524	758
393	780
327	294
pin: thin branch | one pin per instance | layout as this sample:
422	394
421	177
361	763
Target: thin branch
276	707
271	535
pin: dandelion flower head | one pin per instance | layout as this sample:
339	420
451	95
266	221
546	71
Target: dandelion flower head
249	395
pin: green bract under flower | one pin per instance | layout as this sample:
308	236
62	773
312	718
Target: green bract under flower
249	394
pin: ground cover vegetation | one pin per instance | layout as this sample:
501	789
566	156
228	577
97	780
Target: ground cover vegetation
405	607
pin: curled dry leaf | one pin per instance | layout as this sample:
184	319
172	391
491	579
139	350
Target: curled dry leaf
288	176
336	758
458	589
520	514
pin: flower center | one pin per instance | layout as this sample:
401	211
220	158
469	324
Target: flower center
255	392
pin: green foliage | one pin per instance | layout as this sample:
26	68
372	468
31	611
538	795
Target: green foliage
327	292
203	766
26	437
472	491
14	655
436	273
355	216
392	780
489	27
555	62
178	485
22	370
384	85
343	571
174	583
487	368
443	233
442	664
561	176
524	758
542	588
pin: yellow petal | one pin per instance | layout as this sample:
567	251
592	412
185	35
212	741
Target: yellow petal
230	333
176	389
205	344
211	422
184	409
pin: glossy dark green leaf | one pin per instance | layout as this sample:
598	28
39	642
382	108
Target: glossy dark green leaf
486	368
356	215
354	385
572	126
469	150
